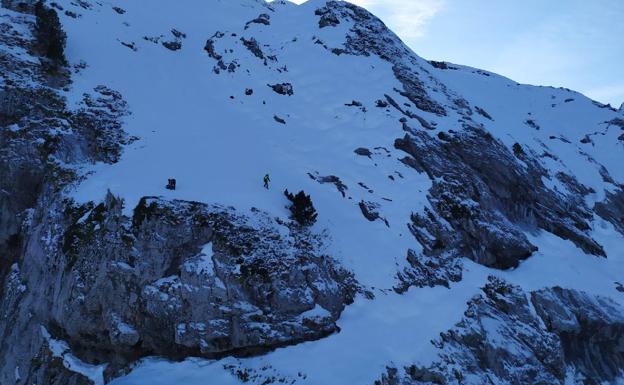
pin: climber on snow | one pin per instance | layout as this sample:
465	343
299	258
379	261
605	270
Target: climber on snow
266	181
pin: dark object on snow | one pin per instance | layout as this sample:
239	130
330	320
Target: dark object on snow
518	151
586	139
282	88
262	19
50	36
266	179
302	210
363	151
131	45
617	121
370	210
333	179
253	47
483	113
248	91
172	45
531	123
171	184
439	64
178	34
328	18
279	120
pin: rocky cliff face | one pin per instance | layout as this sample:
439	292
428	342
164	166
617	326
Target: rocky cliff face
428	189
177	279
508	336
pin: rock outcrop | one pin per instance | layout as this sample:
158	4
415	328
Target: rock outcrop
41	137
552	336
369	36
177	279
484	192
612	209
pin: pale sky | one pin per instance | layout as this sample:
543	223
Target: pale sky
578	44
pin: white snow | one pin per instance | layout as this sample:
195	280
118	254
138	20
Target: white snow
121	326
203	264
317	312
60	349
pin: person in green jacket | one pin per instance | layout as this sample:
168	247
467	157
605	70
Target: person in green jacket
266	181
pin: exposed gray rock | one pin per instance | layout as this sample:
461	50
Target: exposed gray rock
590	329
363	152
370	210
617	122
369	36
131	45
409	114
333	179
442	65
380	104
612	209
262	19
429	271
41	141
483	113
24	6
531	123
50	370
253	47
209	47
282	88
172	45
149	284
485	194
501	339
178	34
44	135
328	18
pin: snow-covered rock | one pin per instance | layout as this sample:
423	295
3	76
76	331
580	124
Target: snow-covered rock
506	336
143	285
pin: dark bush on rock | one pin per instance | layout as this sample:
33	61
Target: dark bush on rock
49	34
302	210
518	151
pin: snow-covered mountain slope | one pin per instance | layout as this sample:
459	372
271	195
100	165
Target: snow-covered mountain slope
470	228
